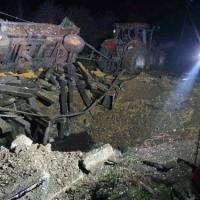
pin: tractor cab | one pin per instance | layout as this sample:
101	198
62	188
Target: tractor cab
139	33
131	48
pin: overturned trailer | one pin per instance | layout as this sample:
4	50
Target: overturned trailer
43	108
32	45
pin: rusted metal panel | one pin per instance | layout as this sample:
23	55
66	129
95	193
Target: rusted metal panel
32	45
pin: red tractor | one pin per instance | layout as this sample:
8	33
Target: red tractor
132	49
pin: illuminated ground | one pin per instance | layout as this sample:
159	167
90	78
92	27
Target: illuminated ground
149	121
143	109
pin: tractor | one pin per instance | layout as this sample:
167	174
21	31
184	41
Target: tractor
132	48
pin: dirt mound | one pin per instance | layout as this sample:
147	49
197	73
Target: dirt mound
36	168
147	105
130	178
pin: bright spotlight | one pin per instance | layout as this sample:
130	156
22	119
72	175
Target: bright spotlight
183	89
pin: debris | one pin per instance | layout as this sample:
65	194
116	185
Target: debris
25	190
16	91
110	162
158	166
197	150
20	141
4	126
97	157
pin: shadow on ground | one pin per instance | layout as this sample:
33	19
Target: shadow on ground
74	142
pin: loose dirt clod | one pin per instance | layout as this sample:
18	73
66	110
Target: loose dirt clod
21	170
137	124
143	109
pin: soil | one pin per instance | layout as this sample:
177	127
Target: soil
147	105
47	171
151	120
130	179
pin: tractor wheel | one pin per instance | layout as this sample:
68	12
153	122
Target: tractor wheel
135	60
161	60
157	60
109	49
110	65
104	63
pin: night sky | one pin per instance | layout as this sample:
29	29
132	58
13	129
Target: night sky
96	18
149	10
159	12
169	14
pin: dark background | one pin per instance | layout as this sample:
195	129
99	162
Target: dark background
96	19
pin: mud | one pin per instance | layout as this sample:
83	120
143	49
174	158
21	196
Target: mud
37	165
131	179
149	121
147	105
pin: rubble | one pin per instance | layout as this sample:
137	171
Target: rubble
46	172
38	172
95	158
40	78
20	141
130	178
140	112
42	109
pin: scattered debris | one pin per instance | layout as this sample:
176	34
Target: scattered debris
21	140
94	159
131	179
42	105
24	191
39	173
158	166
42	87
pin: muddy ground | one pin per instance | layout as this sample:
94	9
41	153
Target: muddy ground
151	120
130	179
147	105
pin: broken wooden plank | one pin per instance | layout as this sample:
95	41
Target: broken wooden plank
24	123
7	100
4	126
47	132
64	124
48	97
17	91
34	104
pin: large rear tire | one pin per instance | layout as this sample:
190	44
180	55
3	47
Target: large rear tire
135	60
104	63
157	59
112	64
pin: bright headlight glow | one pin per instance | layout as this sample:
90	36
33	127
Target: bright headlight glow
184	88
175	101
